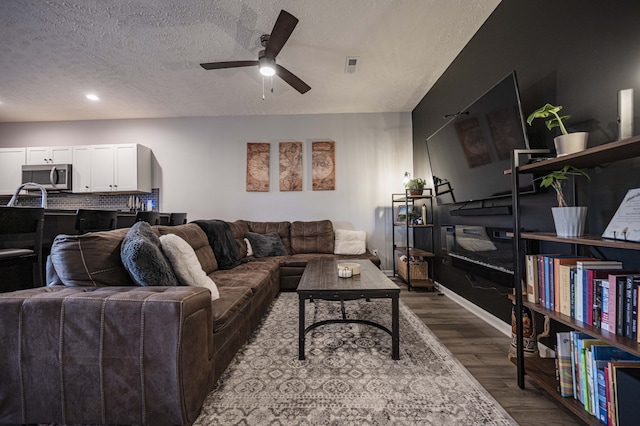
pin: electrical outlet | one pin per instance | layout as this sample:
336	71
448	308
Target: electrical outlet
375	252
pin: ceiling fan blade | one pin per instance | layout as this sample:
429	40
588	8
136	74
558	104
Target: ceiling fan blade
291	79
229	64
282	29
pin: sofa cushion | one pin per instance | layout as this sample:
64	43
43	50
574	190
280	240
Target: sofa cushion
282	228
143	258
265	245
185	264
197	239
350	242
239	229
91	260
312	237
231	301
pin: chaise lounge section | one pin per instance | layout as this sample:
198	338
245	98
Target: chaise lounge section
93	347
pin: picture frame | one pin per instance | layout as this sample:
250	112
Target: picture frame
401	214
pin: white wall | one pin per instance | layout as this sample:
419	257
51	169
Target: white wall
200	164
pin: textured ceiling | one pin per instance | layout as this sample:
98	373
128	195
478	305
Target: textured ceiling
142	56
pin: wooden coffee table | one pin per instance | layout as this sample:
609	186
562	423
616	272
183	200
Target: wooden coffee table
320	281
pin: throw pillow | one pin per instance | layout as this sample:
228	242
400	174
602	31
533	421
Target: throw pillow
143	259
249	248
185	264
350	242
264	245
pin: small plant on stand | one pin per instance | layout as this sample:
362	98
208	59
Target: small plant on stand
566	143
558	178
569	221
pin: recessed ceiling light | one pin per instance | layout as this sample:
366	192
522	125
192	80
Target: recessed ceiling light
92	97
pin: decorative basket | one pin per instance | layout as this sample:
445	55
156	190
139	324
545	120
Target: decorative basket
418	271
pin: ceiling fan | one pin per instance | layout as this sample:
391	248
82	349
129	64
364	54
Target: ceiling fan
266	62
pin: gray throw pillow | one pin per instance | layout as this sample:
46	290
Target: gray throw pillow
264	245
142	256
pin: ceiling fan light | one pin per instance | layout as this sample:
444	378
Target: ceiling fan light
267	66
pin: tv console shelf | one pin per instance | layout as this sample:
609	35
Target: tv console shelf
542	371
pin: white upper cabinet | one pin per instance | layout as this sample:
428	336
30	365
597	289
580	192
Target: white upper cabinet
11	161
81	168
120	167
50	155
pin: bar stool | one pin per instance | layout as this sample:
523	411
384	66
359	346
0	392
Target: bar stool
177	219
95	220
20	245
152	218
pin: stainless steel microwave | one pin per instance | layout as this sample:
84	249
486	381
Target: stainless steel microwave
50	176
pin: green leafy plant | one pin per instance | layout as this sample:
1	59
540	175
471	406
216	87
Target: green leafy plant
550	111
558	178
416	183
438	181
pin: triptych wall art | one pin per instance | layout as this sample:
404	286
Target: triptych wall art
290	155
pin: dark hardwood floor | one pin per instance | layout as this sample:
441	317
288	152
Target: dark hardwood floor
483	351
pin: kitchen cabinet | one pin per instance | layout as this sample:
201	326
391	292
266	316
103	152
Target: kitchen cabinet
49	155
120	167
11	161
81	169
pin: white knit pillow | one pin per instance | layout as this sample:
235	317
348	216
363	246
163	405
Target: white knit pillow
350	242
185	264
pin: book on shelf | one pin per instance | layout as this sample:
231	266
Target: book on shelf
557	262
563	363
586	374
541	283
631	307
611	368
576	336
603	318
601	356
627	389
533	294
584	289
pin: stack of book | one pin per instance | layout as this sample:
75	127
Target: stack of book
604	378
596	292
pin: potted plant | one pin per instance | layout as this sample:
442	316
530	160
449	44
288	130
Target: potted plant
566	143
416	186
569	221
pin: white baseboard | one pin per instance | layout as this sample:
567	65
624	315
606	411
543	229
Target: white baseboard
495	322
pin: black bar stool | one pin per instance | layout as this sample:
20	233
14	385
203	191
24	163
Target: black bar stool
21	246
177	219
152	218
95	220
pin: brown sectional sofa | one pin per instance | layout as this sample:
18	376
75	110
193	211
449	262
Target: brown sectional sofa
92	347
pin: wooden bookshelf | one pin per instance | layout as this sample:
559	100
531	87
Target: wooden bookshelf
542	371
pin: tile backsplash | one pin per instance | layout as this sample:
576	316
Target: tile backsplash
68	201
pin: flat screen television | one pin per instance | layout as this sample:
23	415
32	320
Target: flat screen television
472	150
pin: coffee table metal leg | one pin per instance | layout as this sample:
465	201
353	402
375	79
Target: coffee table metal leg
395	328
301	329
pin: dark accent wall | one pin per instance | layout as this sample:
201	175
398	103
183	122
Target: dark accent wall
576	53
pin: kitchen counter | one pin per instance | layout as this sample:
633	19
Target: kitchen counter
57	221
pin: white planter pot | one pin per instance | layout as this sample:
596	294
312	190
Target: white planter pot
569	221
568	144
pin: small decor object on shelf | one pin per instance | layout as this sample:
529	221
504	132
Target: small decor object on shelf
624	224
416	186
569	221
567	143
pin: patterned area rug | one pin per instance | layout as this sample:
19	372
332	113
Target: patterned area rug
348	377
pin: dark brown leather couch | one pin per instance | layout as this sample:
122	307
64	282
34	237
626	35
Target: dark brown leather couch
92	347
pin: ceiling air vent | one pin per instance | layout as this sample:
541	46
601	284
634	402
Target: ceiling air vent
350	64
